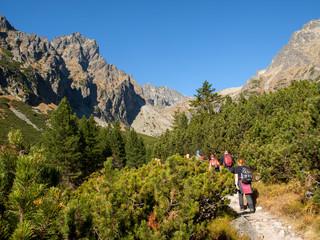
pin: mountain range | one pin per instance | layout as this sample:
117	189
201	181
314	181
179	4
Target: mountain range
39	72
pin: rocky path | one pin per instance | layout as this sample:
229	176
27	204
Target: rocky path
261	224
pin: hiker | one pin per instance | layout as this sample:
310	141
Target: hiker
243	178
213	162
198	157
227	161
187	156
158	161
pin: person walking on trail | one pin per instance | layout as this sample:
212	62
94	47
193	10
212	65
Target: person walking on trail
227	161
198	157
158	161
213	162
243	178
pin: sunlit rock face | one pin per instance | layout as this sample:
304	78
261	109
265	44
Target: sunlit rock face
298	60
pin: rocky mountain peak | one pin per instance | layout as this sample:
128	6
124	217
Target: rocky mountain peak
311	25
297	60
161	96
5	25
38	71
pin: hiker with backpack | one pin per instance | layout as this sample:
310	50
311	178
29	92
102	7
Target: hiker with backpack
158	161
198	156
243	178
227	161
213	162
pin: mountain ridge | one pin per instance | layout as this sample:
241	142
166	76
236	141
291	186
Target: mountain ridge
299	59
38	71
70	66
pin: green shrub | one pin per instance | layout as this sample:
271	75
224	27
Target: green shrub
176	200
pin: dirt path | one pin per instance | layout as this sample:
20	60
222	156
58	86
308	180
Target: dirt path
261	224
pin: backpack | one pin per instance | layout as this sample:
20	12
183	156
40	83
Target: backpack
214	163
246	175
227	160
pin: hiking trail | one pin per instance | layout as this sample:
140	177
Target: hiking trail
261	224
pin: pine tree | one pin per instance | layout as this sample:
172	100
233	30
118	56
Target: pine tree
172	201
30	207
205	98
135	150
118	146
61	141
91	158
104	142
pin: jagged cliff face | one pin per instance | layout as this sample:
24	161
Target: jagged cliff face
36	70
161	96
298	60
113	93
30	68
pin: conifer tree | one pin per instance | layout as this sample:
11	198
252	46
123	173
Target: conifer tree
61	141
104	142
91	158
135	150
30	207
205	98
118	146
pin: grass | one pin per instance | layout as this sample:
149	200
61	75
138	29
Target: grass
148	140
9	121
36	118
220	228
288	201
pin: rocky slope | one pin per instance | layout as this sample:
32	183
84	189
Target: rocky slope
155	120
298	60
113	93
161	96
38	71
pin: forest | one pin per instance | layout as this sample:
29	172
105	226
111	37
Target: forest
82	181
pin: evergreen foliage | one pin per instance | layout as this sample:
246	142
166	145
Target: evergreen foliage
135	150
277	133
92	155
118	146
29	206
62	141
205	98
176	200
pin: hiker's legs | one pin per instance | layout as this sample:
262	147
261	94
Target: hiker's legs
250	202
241	200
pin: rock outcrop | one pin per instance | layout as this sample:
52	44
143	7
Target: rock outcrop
155	120
38	71
161	96
5	25
298	60
113	93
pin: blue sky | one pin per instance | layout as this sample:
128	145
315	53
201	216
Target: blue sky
177	43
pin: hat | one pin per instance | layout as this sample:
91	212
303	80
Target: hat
197	152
